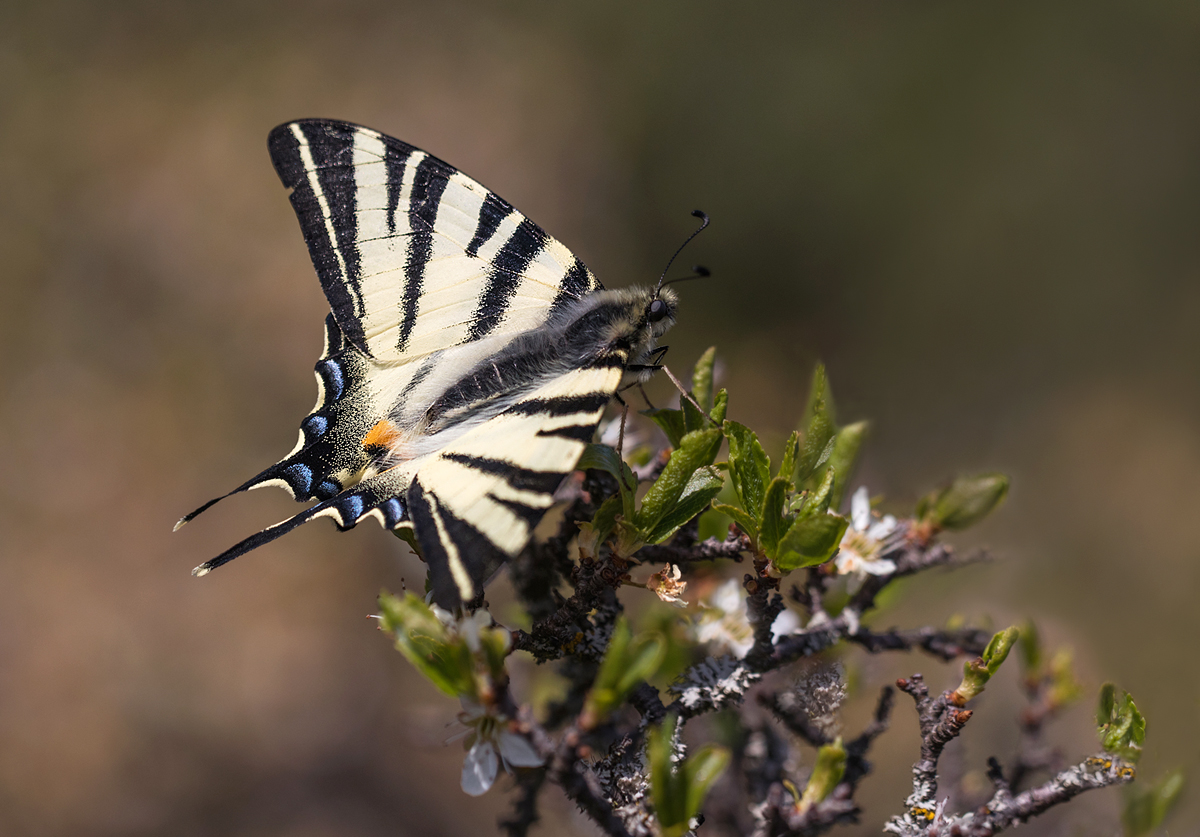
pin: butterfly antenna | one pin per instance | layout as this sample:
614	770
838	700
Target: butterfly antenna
699	271
696	213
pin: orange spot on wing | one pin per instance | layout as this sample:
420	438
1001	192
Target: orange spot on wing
383	436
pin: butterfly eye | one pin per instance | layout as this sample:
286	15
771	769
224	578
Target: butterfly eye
656	311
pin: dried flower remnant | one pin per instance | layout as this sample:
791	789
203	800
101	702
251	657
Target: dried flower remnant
666	584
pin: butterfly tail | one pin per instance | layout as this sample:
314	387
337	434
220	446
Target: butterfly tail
378	497
342	412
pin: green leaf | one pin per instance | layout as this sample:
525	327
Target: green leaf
702	382
1064	687
642	661
820	397
820	499
691	454
1147	808
791	448
997	649
604	458
774	525
495	643
744	521
692	419
1031	649
846	447
680	646
671	422
720	405
964	502
426	643
704	485
700	770
820	427
669	802
827	772
678	790
702	379
749	467
408	534
810	541
1107	708
977	672
628	661
1137	725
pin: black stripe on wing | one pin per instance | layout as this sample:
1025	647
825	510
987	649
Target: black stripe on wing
378	495
428	184
525	479
333	257
394	159
577	282
495	209
522	247
460	557
563	405
579	432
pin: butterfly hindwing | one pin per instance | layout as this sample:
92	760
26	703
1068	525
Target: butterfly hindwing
327	446
489	489
413	255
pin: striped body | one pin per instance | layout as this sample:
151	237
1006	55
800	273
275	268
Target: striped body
468	355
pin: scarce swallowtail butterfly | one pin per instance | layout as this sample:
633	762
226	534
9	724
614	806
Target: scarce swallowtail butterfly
468	355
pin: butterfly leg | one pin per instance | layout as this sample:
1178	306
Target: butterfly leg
624	415
655	357
645	397
685	394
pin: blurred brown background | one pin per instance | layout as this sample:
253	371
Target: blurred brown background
985	222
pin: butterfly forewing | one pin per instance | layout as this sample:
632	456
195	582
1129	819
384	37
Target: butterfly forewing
413	255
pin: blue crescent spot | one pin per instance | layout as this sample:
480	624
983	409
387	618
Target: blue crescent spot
393	512
334	382
300	477
316	425
351	508
327	489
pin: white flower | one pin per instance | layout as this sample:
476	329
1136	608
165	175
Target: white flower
861	545
466	626
489	744
724	621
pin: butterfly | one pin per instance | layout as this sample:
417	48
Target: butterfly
468	355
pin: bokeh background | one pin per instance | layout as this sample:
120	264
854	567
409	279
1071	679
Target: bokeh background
984	220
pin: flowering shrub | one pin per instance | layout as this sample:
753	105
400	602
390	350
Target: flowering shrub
809	579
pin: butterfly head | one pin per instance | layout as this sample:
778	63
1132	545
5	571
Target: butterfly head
658	315
645	315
